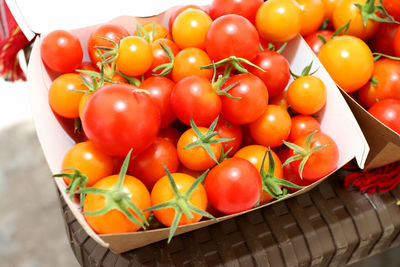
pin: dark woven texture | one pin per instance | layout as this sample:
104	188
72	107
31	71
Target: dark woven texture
328	226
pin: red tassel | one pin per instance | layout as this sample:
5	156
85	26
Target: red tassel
377	180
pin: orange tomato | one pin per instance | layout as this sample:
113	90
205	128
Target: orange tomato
312	15
155	30
188	62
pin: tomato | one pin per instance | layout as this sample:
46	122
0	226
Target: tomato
315	42
255	154
89	160
312	15
155	30
303	125
233	186
179	11
61	51
148	165
320	163
392	7
345	11
170	134
388	112
279	20
272	127
226	129
110	31
113	221
280	100
253	99
307	95
197	158
159	55
190	28
63	97
245	8
396	42
348	60
86	66
194	97
134	49
385	84
329	7
276	72
118	118
232	35
162	192
188	62
160	89
382	40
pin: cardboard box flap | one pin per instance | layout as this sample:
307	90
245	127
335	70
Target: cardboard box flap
43	16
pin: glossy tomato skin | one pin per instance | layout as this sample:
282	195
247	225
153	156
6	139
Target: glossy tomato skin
162	192
114	221
329	7
388	112
315	42
148	165
227	129
253	99
180	10
116	119
232	35
276	72
396	42
232	178
279	20
61	51
349	61
387	74
188	62
382	40
194	97
245	8
160	89
313	14
303	125
110	31
393	8
170	134
321	162
159	55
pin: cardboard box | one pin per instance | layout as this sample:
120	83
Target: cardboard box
336	120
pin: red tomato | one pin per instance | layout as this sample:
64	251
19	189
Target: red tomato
148	165
159	55
194	97
160	89
388	112
245	8
110	31
315	42
396	42
117	119
233	186
276	72
253	99
393	8
61	51
303	125
382	40
226	129
170	134
232	35
179	11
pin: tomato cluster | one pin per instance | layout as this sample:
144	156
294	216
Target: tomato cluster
198	120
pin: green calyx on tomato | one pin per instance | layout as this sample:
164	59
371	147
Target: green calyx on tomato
78	180
217	84
270	183
369	12
305	72
181	203
166	67
96	79
272	47
235	62
300	153
117	199
205	140
141	32
378	56
345	29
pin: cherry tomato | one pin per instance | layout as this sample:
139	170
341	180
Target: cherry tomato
188	62
170	134
276	72
155	30
61	51
134	49
392	7
279	20
312	15
315	42
245	8
382	40
159	55
307	95
226	129
348	60
396	42
303	125
329	6
148	165
280	100
190	28
253	99
194	97
233	186
388	112
86	66
232	35
117	118
162	192
110	31
64	98
180	10
89	160
272	127
386	83
113	222
160	89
